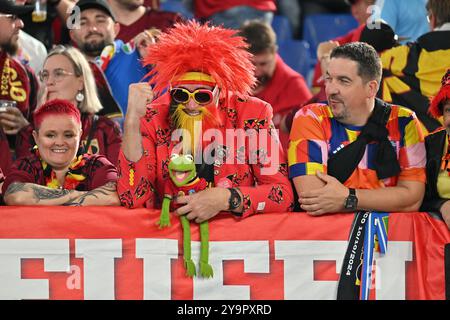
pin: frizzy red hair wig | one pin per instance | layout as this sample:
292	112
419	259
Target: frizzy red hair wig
212	50
55	107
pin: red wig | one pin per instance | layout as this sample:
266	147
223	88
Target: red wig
55	107
211	50
443	95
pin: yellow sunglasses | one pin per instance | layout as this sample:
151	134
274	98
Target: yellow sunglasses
200	96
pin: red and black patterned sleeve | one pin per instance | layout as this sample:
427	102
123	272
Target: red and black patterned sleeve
101	171
112	138
25	170
273	192
24	142
136	179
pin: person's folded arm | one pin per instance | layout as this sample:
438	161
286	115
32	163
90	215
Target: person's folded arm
29	194
105	195
406	196
323	194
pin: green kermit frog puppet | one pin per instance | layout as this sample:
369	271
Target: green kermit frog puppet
184	181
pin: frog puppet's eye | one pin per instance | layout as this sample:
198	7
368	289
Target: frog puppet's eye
174	156
189	157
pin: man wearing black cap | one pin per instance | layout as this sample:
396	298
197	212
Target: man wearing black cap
98	28
15	110
95	37
10	24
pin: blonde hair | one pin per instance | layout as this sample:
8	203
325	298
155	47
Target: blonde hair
91	103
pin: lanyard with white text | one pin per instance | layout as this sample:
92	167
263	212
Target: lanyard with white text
375	239
349	280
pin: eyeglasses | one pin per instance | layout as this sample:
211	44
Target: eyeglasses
58	75
200	96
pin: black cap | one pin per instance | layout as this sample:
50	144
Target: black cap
350	2
96	4
379	35
10	7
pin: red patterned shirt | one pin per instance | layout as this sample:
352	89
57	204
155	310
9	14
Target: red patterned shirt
142	183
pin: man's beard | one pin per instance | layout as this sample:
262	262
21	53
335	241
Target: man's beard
10	47
194	125
93	49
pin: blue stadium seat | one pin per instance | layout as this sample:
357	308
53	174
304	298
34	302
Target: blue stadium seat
322	27
282	28
176	6
296	54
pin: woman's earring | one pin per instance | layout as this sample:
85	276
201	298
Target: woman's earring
79	97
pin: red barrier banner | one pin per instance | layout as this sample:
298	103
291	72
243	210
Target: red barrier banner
116	253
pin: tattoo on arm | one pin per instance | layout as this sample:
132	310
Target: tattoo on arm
16	187
44	193
105	190
39	192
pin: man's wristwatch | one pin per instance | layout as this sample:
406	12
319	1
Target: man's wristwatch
351	202
235	200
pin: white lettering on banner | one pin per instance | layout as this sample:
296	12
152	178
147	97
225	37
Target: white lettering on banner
55	253
98	264
99	273
299	257
157	255
391	271
255	255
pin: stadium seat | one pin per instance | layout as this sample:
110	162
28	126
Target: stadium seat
322	27
296	54
282	28
176	6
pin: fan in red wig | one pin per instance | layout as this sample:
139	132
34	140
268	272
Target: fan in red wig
192	53
208	73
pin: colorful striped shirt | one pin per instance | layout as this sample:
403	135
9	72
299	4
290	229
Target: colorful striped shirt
316	135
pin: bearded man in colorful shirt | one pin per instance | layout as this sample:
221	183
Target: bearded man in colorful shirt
208	74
